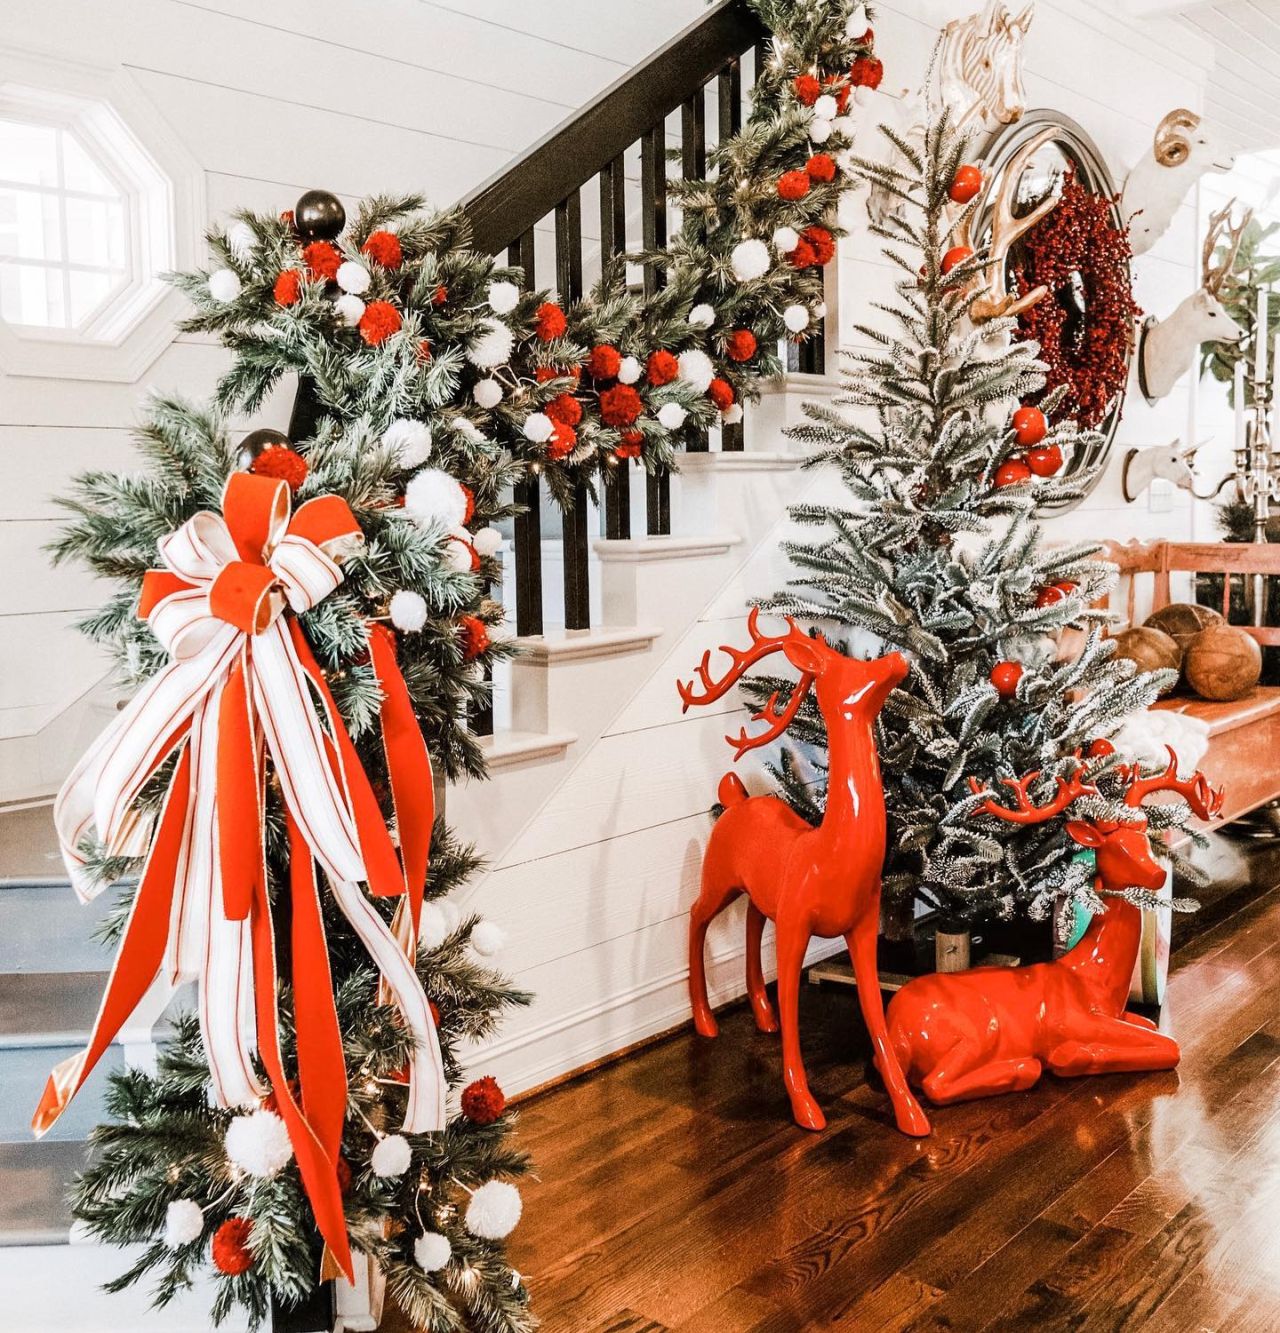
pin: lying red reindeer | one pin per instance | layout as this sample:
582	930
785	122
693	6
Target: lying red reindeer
995	1029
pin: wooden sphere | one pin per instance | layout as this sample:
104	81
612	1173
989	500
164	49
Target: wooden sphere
1149	650
1182	621
1222	662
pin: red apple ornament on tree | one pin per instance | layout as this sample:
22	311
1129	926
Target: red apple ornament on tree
1012	472
965	184
1005	677
1029	426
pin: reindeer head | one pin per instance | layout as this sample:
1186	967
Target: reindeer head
1208	319
848	690
1122	847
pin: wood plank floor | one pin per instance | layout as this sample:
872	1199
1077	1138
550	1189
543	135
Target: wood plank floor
675	1194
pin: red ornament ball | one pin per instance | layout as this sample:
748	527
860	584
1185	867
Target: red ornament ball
1049	596
956	255
824	244
867	72
549	322
1005	677
440	295
288	287
821	167
621	405
379	322
475	637
631	444
483	1101
1012	472
1045	461
1029	426
721	393
793	185
322	260
661	368
965	184
1100	748
423	353
281	462
604	362
230	1247
565	409
342	1169
740	345
383	247
807	89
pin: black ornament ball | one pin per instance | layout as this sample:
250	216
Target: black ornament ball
256	442
319	216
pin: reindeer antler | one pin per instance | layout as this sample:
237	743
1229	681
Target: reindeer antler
1204	800
1026	811
1216	274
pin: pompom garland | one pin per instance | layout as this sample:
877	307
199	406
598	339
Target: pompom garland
433	496
432	1251
380	321
672	415
662	368
503	297
229	1249
475	637
867	72
409	440
241	240
391	1156
224	285
702	316
383	247
487	393
721	393
749	259
288	287
621	404
353	278
322	260
740	345
258	1143
493	346
696	368
630	370
408	610
549	322
349	309
793	185
494	1210
604	362
184	1220
283	463
483	1101
487	938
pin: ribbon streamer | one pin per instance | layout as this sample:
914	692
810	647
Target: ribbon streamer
243	687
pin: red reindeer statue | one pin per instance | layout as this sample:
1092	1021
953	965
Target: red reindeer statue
995	1029
808	881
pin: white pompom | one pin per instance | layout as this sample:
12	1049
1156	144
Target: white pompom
492	345
672	415
820	310
494	1210
702	316
469	430
819	130
696	368
732	414
630	370
488	541
856	24
350	309
431	1251
825	108
224	285
258	1143
353	277
433	496
183	1223
749	259
863	95
503	297
240	239
786	239
433	928
538	427
457	553
487	393
408	610
452	913
409	440
796	318
391	1156
487	938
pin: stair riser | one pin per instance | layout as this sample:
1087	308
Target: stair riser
23	1073
46	928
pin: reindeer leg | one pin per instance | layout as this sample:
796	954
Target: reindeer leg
793	940
766	1020
862	950
711	901
955	1078
1113	1046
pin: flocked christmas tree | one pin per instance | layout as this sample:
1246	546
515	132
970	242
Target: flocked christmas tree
938	553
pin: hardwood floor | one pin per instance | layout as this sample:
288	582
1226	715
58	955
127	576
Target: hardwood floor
675	1193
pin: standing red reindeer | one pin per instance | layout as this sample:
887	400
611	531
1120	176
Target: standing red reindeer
995	1029
809	881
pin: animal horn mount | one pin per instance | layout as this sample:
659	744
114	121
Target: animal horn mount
1172	144
1220	230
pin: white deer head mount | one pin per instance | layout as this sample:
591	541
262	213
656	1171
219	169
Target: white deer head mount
1168	346
980	65
1182	151
1170	462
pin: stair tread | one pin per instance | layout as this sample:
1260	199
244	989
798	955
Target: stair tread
28	844
572	645
44	1007
33	1205
509	746
664	548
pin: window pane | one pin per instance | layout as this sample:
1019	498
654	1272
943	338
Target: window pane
95	232
28	153
88	291
81	172
32	296
29	224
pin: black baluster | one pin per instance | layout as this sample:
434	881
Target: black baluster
613	242
573	525
653	189
729	91
693	165
527	525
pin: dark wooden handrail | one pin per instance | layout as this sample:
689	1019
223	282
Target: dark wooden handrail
511	201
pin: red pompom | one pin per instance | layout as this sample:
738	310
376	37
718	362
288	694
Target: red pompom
544	374
1029	426
281	462
383	247
287	218
435	1012
380	320
288	287
661	368
1045	460
824	244
631	444
564	440
740	345
1012	472
475	637
807	89
965	184
821	167
604	362
483	1101
1005	677
423	353
621	405
230	1247
803	255
472	554
440	295
721	393
867	72
549	321
342	1169
470	512
565	409
793	185
322	260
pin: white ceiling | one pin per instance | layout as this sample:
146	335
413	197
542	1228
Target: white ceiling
1244	89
